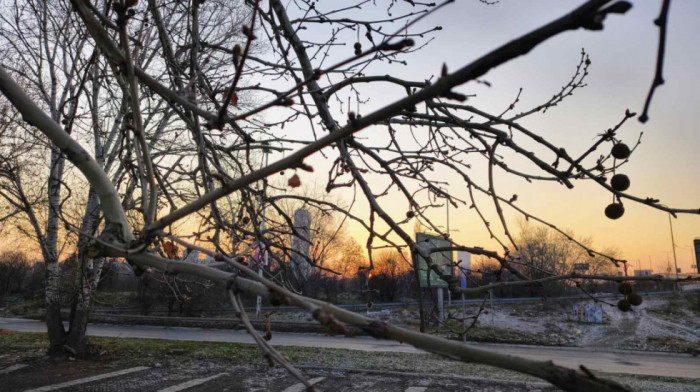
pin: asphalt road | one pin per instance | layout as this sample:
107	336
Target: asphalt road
618	361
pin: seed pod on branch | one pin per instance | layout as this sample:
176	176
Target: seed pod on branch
620	182
624	305
358	48
620	151
624	288
635	299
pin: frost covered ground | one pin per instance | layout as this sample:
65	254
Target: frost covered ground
670	323
154	364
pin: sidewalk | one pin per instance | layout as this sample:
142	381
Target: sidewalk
609	361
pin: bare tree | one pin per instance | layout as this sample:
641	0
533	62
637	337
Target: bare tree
46	48
543	251
191	151
390	268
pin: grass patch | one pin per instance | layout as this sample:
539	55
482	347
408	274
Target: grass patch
25	345
485	333
30	343
115	298
122	351
493	334
20	306
33	345
677	305
665	343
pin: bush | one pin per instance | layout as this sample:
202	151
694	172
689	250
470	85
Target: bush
14	269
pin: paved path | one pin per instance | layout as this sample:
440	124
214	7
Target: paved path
86	380
626	362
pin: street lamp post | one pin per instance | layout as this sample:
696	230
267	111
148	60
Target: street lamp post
258	300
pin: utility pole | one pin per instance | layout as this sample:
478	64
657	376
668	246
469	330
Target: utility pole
673	245
464	306
464	320
464	263
449	293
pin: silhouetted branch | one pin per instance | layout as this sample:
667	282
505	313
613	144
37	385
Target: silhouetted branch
661	22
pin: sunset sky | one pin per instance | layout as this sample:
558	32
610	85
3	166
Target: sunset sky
665	166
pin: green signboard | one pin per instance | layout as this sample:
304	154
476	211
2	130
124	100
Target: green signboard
442	259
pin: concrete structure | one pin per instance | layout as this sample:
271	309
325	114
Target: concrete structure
301	244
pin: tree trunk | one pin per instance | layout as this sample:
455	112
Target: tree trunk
77	340
54	323
86	279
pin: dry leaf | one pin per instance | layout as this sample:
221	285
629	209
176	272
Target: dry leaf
294	181
170	249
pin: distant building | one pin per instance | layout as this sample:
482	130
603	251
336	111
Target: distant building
644	272
301	243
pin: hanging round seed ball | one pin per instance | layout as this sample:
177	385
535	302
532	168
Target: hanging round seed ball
620	182
635	299
614	210
358	48
624	305
620	151
624	288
